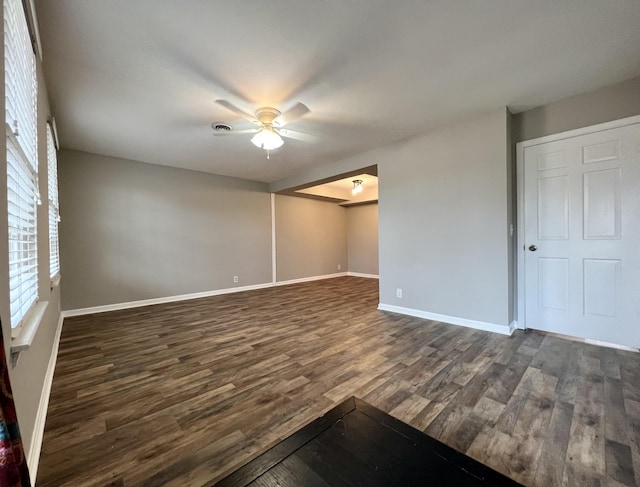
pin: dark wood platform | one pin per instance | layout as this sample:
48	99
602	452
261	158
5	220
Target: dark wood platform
357	444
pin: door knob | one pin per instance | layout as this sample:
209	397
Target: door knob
533	248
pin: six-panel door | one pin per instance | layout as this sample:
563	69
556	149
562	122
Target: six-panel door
582	236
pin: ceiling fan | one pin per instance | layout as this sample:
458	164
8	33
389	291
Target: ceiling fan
270	122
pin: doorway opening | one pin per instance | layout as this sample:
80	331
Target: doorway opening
327	227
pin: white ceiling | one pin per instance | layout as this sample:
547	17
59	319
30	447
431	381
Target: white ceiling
138	78
342	189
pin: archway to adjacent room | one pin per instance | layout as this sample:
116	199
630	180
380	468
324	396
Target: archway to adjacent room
327	227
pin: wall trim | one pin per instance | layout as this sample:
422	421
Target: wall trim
309	279
169	299
33	457
600	343
452	320
513	326
360	274
590	129
274	263
205	294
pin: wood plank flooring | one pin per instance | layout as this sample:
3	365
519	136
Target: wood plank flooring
181	394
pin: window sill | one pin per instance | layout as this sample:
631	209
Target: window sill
22	336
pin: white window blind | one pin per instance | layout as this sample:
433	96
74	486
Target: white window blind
54	207
22	162
20	78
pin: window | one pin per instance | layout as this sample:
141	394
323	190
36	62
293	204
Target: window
22	162
54	207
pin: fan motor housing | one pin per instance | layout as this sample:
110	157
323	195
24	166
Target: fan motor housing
267	115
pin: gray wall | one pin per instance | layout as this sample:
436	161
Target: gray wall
443	218
444	235
451	194
133	231
362	238
609	103
27	378
311	238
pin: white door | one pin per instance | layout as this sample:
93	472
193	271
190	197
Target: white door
582	235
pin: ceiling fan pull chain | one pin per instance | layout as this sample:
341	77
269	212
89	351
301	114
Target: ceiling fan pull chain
268	154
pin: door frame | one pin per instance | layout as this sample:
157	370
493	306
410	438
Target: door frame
520	243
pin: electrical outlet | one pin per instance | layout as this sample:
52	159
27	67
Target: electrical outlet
398	293
235	278
339	267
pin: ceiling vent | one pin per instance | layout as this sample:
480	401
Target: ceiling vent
221	127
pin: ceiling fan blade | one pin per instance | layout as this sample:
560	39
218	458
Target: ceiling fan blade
231	107
294	134
299	110
235	132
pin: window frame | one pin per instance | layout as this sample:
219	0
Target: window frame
53	201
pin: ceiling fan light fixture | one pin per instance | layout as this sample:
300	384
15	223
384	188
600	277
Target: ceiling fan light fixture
357	186
267	139
269	120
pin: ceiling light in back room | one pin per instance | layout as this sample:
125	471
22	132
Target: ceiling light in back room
357	187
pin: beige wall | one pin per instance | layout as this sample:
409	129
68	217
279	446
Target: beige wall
609	103
311	238
133	231
362	238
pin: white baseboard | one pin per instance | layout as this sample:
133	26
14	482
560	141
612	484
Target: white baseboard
205	294
479	325
33	457
611	345
513	326
168	299
591	341
309	279
360	274
184	297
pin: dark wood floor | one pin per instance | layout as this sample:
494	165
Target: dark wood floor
356	444
181	394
